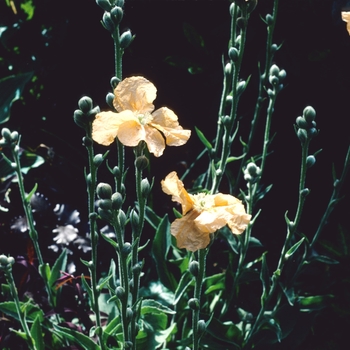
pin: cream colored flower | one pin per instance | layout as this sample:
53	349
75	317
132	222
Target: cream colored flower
135	121
345	16
203	214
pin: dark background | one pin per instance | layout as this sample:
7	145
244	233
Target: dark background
75	57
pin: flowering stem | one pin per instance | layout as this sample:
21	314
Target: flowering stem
202	253
91	190
261	90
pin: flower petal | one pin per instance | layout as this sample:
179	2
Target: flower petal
211	220
106	125
187	234
345	16
135	94
155	141
130	133
165	120
174	186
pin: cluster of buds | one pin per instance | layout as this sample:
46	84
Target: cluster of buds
9	139
86	113
6	262
252	173
112	17
276	77
307	127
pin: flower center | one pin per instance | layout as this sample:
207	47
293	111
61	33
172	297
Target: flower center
202	202
144	118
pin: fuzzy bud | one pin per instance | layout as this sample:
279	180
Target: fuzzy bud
108	22
193	303
274	70
302	123
109	99
117	14
104	4
114	82
309	114
120	292
145	188
302	135
125	39
98	159
104	190
122	218
310	161
105	204
202	327
141	163
304	192
129	314
85	104
126	249
135	220
269	19
117	201
116	172
233	54
194	267
87	142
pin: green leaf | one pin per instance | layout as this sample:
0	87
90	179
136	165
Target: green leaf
87	287
265	279
214	282
76	338
294	248
314	303
226	332
160	248
111	241
32	311
29	196
152	218
192	36
11	88
150	306
60	265
28	7
37	334
203	139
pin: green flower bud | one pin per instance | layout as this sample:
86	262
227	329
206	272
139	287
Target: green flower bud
193	303
125	39
273	80
122	218
6	134
108	22
98	159
135	220
92	114
232	9
3	259
87	142
116	172
114	82
104	4
238	40
253	169
104	214
273	48
233	54
88	179
117	201
105	204
269	19
85	104
104	191
202	327
80	118
304	192
122	189
117	14
302	123
310	161
302	135
228	69
120	292
14	136
119	3
282	74
312	133
137	268
109	99
274	70
126	250
141	163
145	188
10	260
270	93
309	114
194	268
129	314
241	87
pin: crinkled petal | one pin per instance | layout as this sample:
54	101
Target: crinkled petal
135	94
165	120
212	220
154	140
187	234
174	186
345	16
131	133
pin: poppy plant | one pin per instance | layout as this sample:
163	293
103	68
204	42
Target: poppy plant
136	119
203	214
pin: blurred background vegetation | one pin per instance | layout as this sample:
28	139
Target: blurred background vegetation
60	52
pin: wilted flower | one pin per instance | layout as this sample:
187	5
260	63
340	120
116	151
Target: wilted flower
203	214
345	16
134	121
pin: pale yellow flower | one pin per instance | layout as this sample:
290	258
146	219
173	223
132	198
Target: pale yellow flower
345	16
203	214
135	121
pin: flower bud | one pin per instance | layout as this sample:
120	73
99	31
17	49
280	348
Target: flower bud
228	69
241	87
104	214
3	259
135	220
87	142
310	161
117	201
92	113
137	268
117	14
6	134
302	123
119	3
274	70
114	82
116	172
10	260
108	22
98	159
120	292
282	74
122	218
273	48
104	4
309	114
126	249
312	133
273	80
304	192
109	99
104	191
269	19
145	188
141	163
88	179
85	104
193	303
194	267
14	136
233	54
129	314
125	39
302	135
105	204
202	327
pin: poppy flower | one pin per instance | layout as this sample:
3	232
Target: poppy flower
345	16
136	119
203	214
